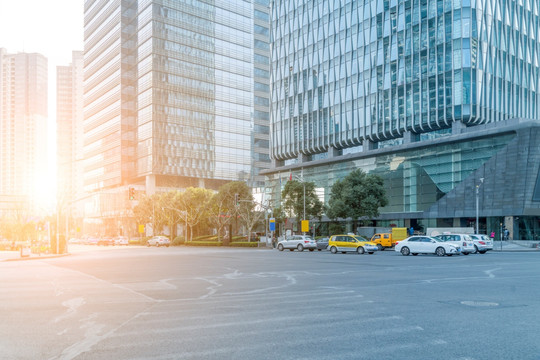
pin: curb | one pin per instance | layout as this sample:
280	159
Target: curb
37	257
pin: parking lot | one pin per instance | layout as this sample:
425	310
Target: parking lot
219	303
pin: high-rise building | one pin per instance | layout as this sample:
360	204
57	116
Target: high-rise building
176	95
420	92
23	129
69	128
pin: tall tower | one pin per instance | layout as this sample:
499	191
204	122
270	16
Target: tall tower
176	95
69	129
23	125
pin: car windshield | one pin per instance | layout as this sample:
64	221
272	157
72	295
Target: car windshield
360	238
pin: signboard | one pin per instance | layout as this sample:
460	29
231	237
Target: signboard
305	225
272	224
141	229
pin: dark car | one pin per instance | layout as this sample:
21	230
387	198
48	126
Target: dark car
322	243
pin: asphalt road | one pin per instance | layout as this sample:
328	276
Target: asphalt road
208	303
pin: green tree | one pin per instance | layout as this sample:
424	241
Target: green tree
293	200
357	196
224	210
194	205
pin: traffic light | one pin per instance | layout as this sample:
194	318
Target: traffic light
236	199
131	193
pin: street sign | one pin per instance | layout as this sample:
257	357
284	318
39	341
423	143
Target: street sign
305	225
272	224
141	228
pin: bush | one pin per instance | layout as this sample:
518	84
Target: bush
179	240
139	240
206	238
203	243
244	244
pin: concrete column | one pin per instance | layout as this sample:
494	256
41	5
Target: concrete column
332	152
368	145
457	127
409	137
302	158
150	185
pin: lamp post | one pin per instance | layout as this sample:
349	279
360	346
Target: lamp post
477	188
304	186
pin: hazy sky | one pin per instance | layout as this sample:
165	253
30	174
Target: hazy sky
53	28
50	27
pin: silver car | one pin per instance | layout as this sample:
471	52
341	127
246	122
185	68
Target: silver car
463	241
299	242
158	241
482	243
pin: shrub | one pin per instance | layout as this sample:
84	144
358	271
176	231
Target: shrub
244	244
179	240
203	243
206	238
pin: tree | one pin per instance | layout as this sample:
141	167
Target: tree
224	209
357	196
293	196
194	204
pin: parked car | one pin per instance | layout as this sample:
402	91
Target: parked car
482	243
299	242
158	241
121	240
322	243
463	241
345	243
425	245
106	241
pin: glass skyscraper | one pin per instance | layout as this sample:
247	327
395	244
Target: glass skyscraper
352	78
176	95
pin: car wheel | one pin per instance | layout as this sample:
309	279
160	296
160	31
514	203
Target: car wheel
333	250
475	249
405	251
360	250
311	249
300	247
379	247
415	254
291	249
280	247
440	251
319	249
371	252
465	253
482	252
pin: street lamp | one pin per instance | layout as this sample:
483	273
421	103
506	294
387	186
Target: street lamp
304	186
477	188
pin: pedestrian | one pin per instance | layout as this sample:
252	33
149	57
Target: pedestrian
492	235
411	231
506	234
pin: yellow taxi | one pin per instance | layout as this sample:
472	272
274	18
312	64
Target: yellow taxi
345	243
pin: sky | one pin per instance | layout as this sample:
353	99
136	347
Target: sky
53	28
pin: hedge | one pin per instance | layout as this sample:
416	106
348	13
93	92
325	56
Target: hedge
244	244
203	243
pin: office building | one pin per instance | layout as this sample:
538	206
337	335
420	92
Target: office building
69	128
435	96
176	95
23	129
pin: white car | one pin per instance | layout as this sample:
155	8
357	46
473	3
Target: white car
463	241
482	243
299	242
121	240
425	245
158	241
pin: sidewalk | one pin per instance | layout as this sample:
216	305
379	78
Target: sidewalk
516	245
16	255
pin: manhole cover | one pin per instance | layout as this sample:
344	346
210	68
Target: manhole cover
479	303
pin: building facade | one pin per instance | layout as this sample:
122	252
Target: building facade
362	78
69	128
23	129
176	95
